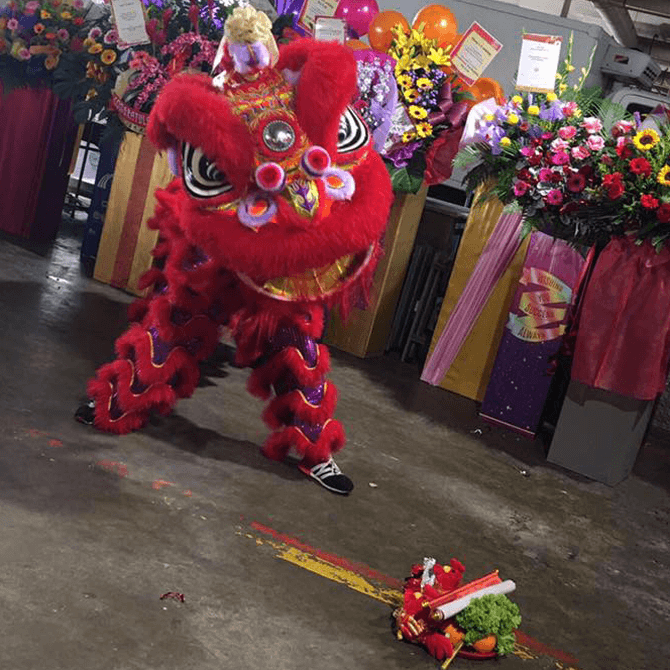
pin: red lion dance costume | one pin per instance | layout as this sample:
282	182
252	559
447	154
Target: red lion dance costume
276	215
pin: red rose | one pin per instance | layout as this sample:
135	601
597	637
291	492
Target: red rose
648	201
663	213
612	179
640	166
624	151
615	191
78	20
576	182
535	160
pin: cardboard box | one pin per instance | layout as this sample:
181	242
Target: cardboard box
366	332
124	254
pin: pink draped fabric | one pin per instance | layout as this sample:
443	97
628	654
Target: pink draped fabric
36	141
496	257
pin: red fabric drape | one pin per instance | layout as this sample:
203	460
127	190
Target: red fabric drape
623	337
36	141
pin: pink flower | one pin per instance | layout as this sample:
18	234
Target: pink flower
554	197
559	145
547	136
23	54
559	158
527	151
94	33
567	132
592	124
580	153
32	7
569	109
12	24
111	37
622	128
546	174
78	4
520	188
63	35
595	142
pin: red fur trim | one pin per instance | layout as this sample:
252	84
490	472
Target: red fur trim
331	440
326	86
284	408
288	361
190	109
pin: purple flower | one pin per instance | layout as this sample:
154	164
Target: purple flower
552	113
400	157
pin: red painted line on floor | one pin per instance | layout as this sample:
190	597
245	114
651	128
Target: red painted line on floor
366	571
359	568
540	648
55	443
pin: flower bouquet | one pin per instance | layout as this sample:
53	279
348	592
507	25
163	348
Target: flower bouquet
183	36
34	35
545	154
427	124
635	180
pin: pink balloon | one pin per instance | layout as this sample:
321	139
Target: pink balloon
358	14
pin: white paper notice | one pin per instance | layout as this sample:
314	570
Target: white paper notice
313	8
538	63
130	23
328	29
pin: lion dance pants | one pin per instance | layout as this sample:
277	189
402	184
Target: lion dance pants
179	325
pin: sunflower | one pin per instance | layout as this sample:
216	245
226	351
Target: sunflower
108	56
664	176
411	95
424	83
417	112
646	139
408	136
404	81
424	129
95	48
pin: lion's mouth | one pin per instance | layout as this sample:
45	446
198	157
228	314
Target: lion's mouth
315	283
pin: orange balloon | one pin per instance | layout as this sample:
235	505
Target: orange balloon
485	88
357	45
380	34
438	24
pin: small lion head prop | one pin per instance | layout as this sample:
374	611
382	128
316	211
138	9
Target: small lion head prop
278	179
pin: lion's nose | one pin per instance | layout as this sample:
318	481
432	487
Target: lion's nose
270	177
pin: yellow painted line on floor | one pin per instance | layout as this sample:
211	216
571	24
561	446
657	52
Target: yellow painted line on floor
351	579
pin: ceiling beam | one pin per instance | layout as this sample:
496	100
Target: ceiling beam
617	14
657	7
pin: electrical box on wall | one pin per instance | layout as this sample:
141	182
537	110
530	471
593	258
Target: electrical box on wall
630	66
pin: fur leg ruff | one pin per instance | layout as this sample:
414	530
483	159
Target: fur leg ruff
330	441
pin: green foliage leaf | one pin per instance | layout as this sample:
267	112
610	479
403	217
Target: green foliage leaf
490	615
403	181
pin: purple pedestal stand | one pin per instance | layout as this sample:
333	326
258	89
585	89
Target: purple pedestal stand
520	381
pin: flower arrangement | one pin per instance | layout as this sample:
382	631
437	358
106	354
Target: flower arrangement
34	35
427	124
183	35
545	153
635	180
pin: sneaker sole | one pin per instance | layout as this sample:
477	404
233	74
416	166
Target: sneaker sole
305	471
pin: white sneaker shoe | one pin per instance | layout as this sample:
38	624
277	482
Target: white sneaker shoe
329	475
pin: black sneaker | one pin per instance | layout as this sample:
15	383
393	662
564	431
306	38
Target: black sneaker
86	413
329	476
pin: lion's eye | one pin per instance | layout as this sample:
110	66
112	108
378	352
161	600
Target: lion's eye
353	133
202	177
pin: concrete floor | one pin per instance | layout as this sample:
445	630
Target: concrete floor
95	528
